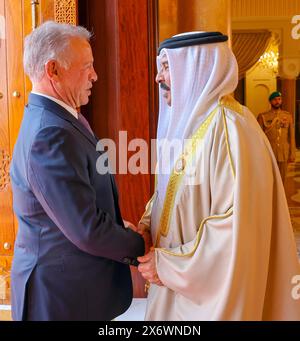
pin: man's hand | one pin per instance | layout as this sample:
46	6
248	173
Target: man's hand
142	228
147	268
291	159
146	234
129	225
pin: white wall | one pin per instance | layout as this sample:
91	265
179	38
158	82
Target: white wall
260	82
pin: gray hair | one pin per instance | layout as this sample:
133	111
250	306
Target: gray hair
49	41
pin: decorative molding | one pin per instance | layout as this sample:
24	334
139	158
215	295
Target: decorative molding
289	67
266	8
5	266
65	11
4	169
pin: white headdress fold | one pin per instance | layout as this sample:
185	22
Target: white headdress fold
200	75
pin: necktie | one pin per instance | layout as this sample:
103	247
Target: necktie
85	123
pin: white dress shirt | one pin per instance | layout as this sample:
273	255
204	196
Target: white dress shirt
61	103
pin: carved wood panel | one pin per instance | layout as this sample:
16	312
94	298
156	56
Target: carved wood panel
4	169
5	266
65	11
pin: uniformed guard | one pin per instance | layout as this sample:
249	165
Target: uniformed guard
278	125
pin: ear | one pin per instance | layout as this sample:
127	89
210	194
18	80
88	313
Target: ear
51	70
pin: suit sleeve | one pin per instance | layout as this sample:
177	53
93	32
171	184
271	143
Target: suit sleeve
60	180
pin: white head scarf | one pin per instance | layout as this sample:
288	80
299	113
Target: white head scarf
200	75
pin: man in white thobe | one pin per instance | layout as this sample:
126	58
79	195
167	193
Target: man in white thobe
223	242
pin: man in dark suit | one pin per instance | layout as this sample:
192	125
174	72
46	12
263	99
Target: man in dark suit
72	252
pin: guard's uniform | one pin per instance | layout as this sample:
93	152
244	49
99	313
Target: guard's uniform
279	127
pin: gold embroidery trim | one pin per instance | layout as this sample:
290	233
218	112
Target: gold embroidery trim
230	103
198	236
176	176
227	143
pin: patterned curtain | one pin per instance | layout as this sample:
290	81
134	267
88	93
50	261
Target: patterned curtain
248	46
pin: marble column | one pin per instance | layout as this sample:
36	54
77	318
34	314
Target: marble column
288	89
289	69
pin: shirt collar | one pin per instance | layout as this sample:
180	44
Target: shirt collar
71	110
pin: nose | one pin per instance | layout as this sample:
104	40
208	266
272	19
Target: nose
159	77
94	76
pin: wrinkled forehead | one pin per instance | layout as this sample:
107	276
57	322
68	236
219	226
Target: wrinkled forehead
162	61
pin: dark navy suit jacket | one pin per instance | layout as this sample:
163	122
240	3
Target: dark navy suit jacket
72	250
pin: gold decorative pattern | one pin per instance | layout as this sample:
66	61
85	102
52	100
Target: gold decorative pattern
228	144
65	11
184	159
176	176
5	266
4	169
199	234
232	104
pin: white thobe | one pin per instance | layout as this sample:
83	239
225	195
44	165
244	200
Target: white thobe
229	253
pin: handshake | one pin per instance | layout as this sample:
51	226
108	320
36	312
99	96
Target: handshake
147	266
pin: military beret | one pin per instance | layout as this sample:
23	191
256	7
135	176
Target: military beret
274	94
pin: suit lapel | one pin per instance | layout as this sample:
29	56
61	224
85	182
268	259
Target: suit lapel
63	113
